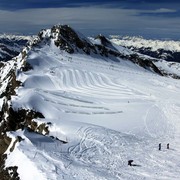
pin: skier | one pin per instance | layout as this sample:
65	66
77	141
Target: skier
130	162
159	146
168	146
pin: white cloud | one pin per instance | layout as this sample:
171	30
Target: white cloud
161	10
164	10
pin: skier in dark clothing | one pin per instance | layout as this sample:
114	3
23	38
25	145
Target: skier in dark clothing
168	146
159	146
130	162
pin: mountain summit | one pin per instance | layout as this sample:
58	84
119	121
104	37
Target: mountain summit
71	41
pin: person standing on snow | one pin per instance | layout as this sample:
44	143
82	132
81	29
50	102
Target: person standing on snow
159	146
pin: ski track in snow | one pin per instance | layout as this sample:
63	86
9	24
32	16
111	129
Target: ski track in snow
108	112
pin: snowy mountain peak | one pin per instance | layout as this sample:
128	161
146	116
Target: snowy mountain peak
67	39
105	42
71	41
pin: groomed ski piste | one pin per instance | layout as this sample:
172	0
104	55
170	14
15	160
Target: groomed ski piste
107	112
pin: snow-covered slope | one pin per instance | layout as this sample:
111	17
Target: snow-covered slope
168	50
96	110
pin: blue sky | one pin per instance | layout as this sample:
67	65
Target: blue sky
148	18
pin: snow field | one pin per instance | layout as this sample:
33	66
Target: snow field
107	112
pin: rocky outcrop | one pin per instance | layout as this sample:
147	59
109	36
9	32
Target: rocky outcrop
145	63
11	86
106	43
19	119
9	173
66	39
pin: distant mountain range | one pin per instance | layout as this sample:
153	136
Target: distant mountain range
168	50
11	46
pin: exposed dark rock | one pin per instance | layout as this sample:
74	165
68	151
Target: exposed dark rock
40	129
103	51
175	76
4	143
43	129
71	41
20	119
145	63
18	139
26	67
12	85
106	43
1	64
16	119
9	173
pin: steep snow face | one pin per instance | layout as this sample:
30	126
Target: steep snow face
11	46
168	49
109	112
